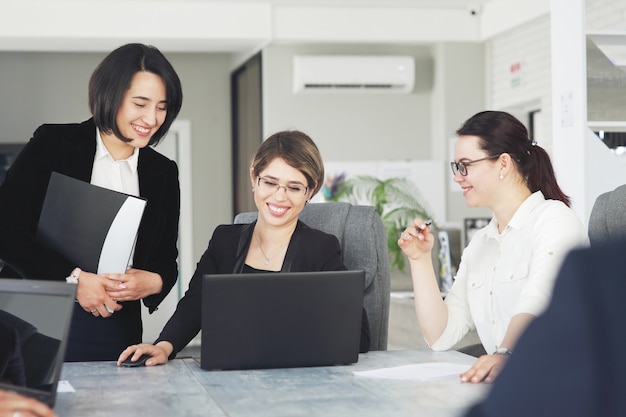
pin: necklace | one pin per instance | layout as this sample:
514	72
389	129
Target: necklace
267	258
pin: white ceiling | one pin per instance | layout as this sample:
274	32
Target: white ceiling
241	26
436	4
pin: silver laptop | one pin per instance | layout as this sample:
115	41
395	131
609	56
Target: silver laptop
36	317
281	320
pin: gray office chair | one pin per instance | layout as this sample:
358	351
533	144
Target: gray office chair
364	246
607	221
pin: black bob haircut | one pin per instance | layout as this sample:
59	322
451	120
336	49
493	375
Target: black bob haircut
112	77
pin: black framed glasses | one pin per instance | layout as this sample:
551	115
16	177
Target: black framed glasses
268	185
461	166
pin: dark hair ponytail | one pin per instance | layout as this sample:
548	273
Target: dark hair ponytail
501	133
541	176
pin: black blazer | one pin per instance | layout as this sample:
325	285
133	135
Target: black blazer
308	250
70	149
570	361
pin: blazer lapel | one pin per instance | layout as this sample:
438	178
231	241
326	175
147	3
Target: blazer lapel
242	247
292	250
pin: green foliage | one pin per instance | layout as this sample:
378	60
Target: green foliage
398	202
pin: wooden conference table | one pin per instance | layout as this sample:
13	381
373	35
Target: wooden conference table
182	388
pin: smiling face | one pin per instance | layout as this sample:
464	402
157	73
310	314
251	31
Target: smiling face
481	179
279	207
141	113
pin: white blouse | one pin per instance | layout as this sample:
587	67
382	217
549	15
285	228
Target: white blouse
503	274
115	175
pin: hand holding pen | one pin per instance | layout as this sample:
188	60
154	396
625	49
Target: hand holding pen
423	228
406	235
416	241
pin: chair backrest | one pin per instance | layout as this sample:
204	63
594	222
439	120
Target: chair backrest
607	221
364	246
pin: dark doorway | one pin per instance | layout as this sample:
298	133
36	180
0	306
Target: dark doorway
247	128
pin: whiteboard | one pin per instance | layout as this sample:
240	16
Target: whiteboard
428	176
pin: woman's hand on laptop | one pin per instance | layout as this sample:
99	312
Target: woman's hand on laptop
159	353
14	404
92	296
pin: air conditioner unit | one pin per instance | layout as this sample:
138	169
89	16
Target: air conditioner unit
353	74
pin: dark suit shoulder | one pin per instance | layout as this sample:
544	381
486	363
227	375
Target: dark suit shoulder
229	228
46	128
57	136
227	232
55	130
155	157
224	233
316	235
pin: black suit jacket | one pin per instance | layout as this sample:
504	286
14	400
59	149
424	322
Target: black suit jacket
570	361
308	250
70	149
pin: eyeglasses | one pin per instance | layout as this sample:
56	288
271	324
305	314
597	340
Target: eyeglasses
267	185
461	166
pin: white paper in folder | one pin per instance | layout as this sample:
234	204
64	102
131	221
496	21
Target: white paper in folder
118	244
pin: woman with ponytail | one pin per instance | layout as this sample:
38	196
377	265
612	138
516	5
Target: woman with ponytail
507	271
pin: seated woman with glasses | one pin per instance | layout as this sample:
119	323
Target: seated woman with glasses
507	271
287	171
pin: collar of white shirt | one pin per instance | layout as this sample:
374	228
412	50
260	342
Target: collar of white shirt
521	216
103	152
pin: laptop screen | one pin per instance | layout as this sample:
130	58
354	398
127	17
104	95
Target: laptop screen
281	319
34	326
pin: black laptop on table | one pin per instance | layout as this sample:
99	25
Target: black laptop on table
281	319
40	312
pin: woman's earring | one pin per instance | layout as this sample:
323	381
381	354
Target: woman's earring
501	176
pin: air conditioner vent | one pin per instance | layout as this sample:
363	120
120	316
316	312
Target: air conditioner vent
353	74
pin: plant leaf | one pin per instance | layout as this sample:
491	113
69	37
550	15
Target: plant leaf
397	201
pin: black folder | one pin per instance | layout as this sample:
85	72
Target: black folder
94	227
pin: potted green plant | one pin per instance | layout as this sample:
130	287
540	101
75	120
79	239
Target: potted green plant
398	202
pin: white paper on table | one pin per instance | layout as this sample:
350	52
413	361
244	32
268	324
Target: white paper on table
65	386
418	372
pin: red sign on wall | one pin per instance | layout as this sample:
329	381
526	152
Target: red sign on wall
515	73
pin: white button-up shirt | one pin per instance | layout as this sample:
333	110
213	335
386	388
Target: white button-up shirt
504	274
115	175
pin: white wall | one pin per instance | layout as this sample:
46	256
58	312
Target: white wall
605	171
351	126
365	127
529	88
459	93
583	168
605	15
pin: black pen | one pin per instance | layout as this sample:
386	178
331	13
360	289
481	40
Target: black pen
427	224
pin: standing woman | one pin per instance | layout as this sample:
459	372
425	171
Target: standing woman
287	171
134	96
507	271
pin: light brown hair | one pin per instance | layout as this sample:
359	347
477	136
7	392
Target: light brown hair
298	150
